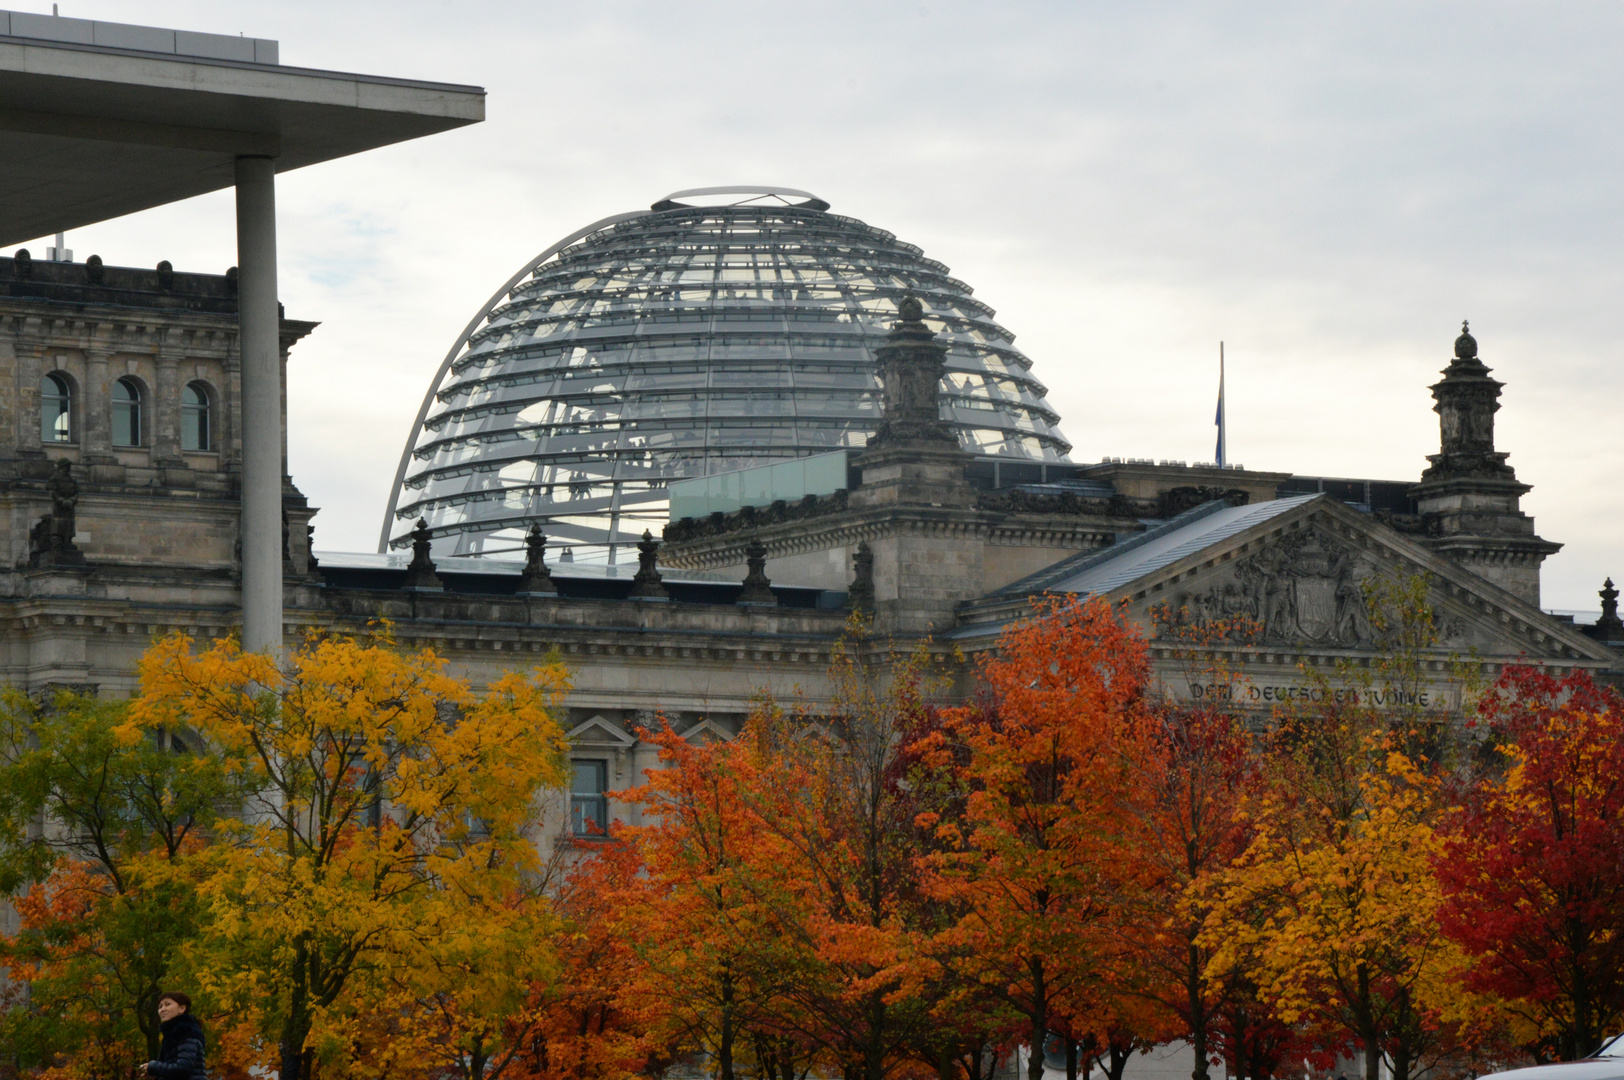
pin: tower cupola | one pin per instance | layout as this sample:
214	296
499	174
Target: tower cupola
1469	498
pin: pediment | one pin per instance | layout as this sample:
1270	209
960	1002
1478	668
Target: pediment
1297	581
597	731
707	733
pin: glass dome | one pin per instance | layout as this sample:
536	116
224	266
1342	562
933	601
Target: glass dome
722	329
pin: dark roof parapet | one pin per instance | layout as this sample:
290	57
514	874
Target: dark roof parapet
93	282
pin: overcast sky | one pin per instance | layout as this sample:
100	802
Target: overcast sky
1328	188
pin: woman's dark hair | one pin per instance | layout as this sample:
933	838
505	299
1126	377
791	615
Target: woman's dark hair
178	998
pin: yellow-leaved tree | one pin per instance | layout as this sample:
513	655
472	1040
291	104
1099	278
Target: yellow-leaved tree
1332	908
391	812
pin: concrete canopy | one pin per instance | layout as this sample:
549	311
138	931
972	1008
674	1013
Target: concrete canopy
89	132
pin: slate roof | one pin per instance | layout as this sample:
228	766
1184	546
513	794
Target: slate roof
1094	572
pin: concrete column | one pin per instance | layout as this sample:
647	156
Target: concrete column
261	406
96	400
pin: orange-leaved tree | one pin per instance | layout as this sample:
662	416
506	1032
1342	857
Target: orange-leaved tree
595	1020
709	963
390	808
838	855
1037	864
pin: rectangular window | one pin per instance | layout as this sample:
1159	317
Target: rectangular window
589	807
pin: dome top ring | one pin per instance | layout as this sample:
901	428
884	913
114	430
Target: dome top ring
748	196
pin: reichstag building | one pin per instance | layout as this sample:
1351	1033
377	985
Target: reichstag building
680	447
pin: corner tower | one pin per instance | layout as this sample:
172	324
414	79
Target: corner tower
1469	497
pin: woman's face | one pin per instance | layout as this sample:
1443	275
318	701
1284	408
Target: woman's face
168	1010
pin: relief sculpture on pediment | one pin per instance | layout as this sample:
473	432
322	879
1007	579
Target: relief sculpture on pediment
1306	589
1309	589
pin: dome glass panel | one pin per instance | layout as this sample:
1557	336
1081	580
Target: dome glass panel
687	341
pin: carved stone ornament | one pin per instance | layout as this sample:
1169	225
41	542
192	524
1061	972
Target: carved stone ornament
536	580
750	517
420	573
646	585
50	541
1609	623
860	596
911	362
757	587
1307	589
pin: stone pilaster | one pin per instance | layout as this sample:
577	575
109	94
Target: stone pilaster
30	367
96	408
8	399
166	412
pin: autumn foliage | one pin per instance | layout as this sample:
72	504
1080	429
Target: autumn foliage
358	860
1533	876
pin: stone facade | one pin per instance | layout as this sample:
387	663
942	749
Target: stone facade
731	605
155	520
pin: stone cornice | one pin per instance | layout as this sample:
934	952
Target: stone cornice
114	329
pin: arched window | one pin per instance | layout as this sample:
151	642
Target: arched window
194	417
126	413
55	410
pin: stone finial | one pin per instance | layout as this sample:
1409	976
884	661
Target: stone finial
537	580
94	271
1609	609
646	585
909	309
24	263
420	575
860	596
166	275
1466	344
757	588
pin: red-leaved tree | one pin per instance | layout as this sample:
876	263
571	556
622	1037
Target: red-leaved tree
1534	877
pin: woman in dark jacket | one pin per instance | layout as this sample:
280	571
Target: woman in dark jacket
180	1055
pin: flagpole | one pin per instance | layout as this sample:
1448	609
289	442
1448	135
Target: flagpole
1223	449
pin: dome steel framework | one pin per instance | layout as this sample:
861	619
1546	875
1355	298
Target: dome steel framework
684	341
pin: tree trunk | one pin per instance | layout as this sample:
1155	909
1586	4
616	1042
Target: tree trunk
296	1026
1198	1014
1034	1061
1368	1031
724	1042
1116	1059
874	1052
1071	1059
